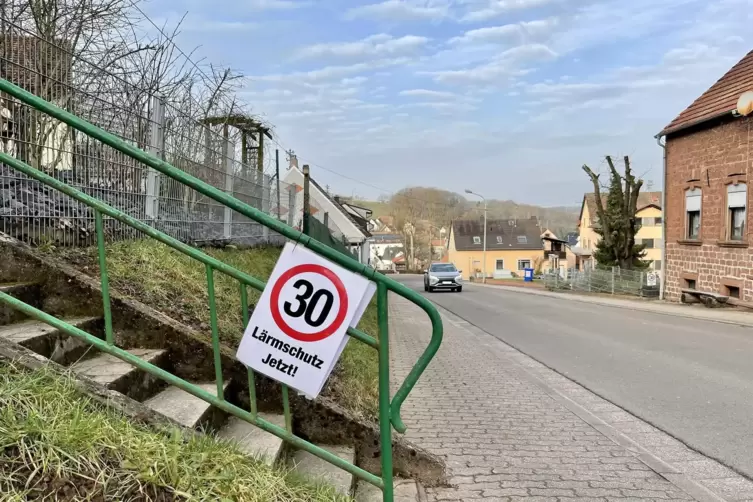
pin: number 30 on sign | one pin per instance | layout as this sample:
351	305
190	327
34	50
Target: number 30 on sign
298	329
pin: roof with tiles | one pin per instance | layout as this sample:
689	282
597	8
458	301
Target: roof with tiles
501	235
720	99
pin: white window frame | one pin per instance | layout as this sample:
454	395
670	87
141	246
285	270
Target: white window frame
522	239
497	262
524	259
499	239
476	239
693	204
737	199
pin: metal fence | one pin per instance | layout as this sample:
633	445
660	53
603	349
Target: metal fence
614	281
176	130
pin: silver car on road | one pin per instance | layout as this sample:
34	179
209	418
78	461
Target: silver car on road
443	276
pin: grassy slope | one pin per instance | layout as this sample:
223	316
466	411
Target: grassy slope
56	443
176	285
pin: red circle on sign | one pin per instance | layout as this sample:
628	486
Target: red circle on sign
275	299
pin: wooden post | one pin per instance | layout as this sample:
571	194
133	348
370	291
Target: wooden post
306	200
260	152
244	152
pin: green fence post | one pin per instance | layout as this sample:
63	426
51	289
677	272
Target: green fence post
385	424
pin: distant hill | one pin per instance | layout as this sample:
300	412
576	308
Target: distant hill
441	206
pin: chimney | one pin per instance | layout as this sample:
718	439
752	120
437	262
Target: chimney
293	160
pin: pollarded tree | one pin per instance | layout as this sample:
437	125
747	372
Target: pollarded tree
617	223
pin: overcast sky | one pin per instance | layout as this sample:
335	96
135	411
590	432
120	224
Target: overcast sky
505	97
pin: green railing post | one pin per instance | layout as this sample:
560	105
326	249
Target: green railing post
251	378
385	424
103	277
215	333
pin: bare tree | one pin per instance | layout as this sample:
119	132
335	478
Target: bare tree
617	223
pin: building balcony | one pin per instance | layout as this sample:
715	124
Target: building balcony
562	255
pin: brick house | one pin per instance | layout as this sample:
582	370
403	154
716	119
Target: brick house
707	172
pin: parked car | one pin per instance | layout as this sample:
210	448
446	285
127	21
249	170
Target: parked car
441	276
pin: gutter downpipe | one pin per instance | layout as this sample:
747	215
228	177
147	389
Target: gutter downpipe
663	277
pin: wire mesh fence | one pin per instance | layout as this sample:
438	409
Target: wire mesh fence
614	281
174	128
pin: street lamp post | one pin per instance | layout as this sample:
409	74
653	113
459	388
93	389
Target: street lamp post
483	279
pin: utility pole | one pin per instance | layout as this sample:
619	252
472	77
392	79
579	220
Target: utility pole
485	225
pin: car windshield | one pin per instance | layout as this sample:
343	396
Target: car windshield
443	267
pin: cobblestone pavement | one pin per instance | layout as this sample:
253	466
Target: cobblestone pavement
504	436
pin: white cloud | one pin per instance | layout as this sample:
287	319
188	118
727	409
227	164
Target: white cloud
520	32
353	81
443	106
505	65
496	8
332	72
381	45
398	10
427	93
488	34
275	4
208	26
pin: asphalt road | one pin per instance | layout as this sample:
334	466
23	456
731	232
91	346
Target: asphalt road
691	378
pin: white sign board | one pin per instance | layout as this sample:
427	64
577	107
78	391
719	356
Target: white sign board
298	328
651	279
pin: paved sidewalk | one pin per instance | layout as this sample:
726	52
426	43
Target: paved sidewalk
725	315
507	435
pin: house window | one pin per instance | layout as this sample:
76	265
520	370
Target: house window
476	239
658	220
736	202
649	243
647	222
657	264
523	264
499	239
522	239
693	213
499	265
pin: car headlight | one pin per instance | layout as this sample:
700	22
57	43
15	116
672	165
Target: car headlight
458	278
433	279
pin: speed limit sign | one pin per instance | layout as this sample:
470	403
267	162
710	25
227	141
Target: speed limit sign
298	328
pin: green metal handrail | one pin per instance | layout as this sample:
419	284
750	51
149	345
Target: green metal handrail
389	411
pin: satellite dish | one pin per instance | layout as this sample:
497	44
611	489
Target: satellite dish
745	103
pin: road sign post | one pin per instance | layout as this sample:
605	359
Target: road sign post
298	328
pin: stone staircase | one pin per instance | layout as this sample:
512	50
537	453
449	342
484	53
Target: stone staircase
171	402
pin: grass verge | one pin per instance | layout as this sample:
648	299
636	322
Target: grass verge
56	444
176	285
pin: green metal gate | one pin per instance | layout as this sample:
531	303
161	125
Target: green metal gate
389	409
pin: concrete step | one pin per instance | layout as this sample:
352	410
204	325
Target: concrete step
119	375
405	490
316	469
47	341
26	292
186	409
252	440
